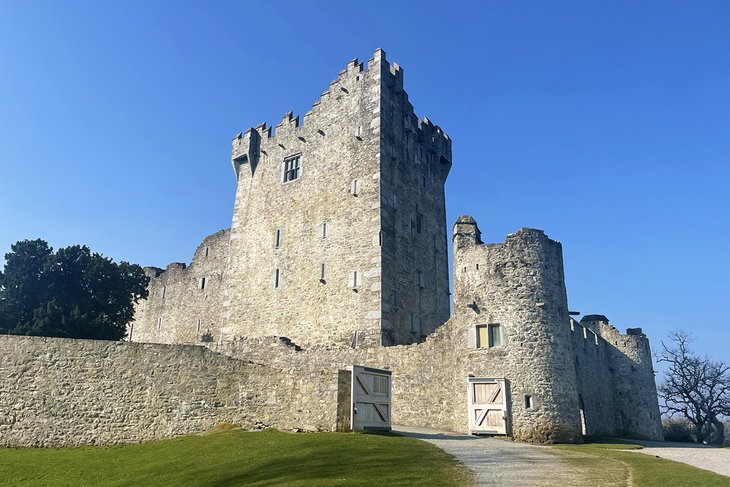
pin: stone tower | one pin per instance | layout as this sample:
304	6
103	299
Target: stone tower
338	231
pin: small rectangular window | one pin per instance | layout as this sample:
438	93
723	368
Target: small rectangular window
197	327
420	279
277	278
292	168
420	325
321	272
206	251
159	323
419	222
394	298
495	336
355	187
201	283
324	229
277	238
358	131
413	322
164	292
423	181
413	227
354	280
528	401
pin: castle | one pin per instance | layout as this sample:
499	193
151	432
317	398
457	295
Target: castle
337	256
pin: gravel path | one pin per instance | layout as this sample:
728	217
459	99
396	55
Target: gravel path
701	456
499	461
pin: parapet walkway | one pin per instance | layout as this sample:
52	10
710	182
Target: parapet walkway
500	461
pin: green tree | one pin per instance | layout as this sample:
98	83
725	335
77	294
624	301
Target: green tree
72	293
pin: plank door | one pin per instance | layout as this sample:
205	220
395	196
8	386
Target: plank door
488	406
370	398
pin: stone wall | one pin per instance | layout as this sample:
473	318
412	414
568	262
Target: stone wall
632	377
594	380
185	302
415	159
60	392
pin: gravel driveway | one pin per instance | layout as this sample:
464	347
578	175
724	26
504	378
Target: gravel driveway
701	456
500	461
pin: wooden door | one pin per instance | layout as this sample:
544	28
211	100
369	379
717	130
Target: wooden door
488	406
370	398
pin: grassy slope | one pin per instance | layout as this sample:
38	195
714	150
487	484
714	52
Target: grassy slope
240	458
608	464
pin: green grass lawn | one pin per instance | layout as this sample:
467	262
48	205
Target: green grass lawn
608	463
234	458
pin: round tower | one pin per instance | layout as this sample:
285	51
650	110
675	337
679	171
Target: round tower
516	290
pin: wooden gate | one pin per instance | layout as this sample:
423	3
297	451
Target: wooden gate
370	399
488	406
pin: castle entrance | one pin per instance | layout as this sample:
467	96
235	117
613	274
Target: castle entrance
370	398
488	406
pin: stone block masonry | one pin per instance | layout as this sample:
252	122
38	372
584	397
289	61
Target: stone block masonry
338	244
338	228
61	392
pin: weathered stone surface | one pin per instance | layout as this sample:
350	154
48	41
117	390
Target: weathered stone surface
59	392
368	205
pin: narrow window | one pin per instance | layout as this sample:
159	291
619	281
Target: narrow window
159	323
206	251
321	272
164	291
197	327
292	168
355	187
423	181
201	283
419	222
323	230
413	227
482	339
354	280
394	298
358	131
477	266
495	336
277	238
420	280
380	238
277	278
420	325
395	202
528	401
435	247
413	322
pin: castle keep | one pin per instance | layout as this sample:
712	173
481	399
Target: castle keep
338	233
337	256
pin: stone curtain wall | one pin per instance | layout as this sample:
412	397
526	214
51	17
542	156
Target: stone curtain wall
60	392
595	384
632	377
181	308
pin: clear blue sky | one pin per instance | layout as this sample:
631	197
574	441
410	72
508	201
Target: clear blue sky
607	124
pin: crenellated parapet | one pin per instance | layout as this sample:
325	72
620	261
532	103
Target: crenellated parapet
632	376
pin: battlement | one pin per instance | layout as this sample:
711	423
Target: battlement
246	146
